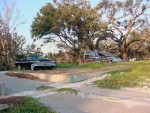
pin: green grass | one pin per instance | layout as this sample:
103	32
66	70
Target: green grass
42	87
86	65
139	72
29	105
95	64
68	90
66	66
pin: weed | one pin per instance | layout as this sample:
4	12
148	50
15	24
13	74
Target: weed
42	87
68	90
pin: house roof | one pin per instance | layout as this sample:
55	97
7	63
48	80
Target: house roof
106	54
101	53
90	52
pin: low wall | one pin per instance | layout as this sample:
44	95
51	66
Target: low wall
2	89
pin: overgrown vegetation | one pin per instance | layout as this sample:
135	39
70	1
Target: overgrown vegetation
86	65
29	105
6	68
95	64
42	87
68	90
139	72
65	65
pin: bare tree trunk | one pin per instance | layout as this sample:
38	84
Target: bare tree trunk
124	54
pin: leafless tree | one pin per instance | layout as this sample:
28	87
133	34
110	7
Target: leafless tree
9	20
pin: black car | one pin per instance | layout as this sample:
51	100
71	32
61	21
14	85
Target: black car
34	62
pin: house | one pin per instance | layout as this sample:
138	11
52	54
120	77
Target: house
94	54
106	54
90	56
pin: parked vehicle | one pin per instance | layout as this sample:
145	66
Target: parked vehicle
34	62
94	56
96	59
114	59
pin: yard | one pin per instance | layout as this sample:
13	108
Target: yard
137	75
125	74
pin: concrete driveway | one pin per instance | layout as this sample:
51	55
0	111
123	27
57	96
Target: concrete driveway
65	103
16	85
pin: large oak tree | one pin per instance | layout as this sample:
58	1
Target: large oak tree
125	17
74	24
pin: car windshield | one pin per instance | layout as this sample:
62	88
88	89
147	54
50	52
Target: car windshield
44	60
34	57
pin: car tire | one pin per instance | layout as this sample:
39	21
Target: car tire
33	68
19	67
51	67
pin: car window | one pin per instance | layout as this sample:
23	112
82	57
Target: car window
44	60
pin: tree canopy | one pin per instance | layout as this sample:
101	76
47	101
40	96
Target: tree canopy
126	18
74	24
77	26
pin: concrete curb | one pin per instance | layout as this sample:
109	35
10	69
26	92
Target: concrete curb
2	89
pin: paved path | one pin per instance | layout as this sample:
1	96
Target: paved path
65	103
119	94
15	85
95	100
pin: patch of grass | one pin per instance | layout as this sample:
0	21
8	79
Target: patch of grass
68	90
118	79
86	65
66	66
95	64
42	87
6	68
139	72
29	105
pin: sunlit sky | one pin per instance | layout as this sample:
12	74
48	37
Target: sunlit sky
28	10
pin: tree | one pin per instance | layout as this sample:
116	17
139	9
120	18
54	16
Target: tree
9	17
74	24
19	42
140	49
32	49
109	46
125	17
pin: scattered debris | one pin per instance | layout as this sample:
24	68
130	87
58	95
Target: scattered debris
8	102
23	75
14	100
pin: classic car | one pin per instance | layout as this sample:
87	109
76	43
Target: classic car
34	62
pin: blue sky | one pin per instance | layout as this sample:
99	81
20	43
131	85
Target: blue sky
28	10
